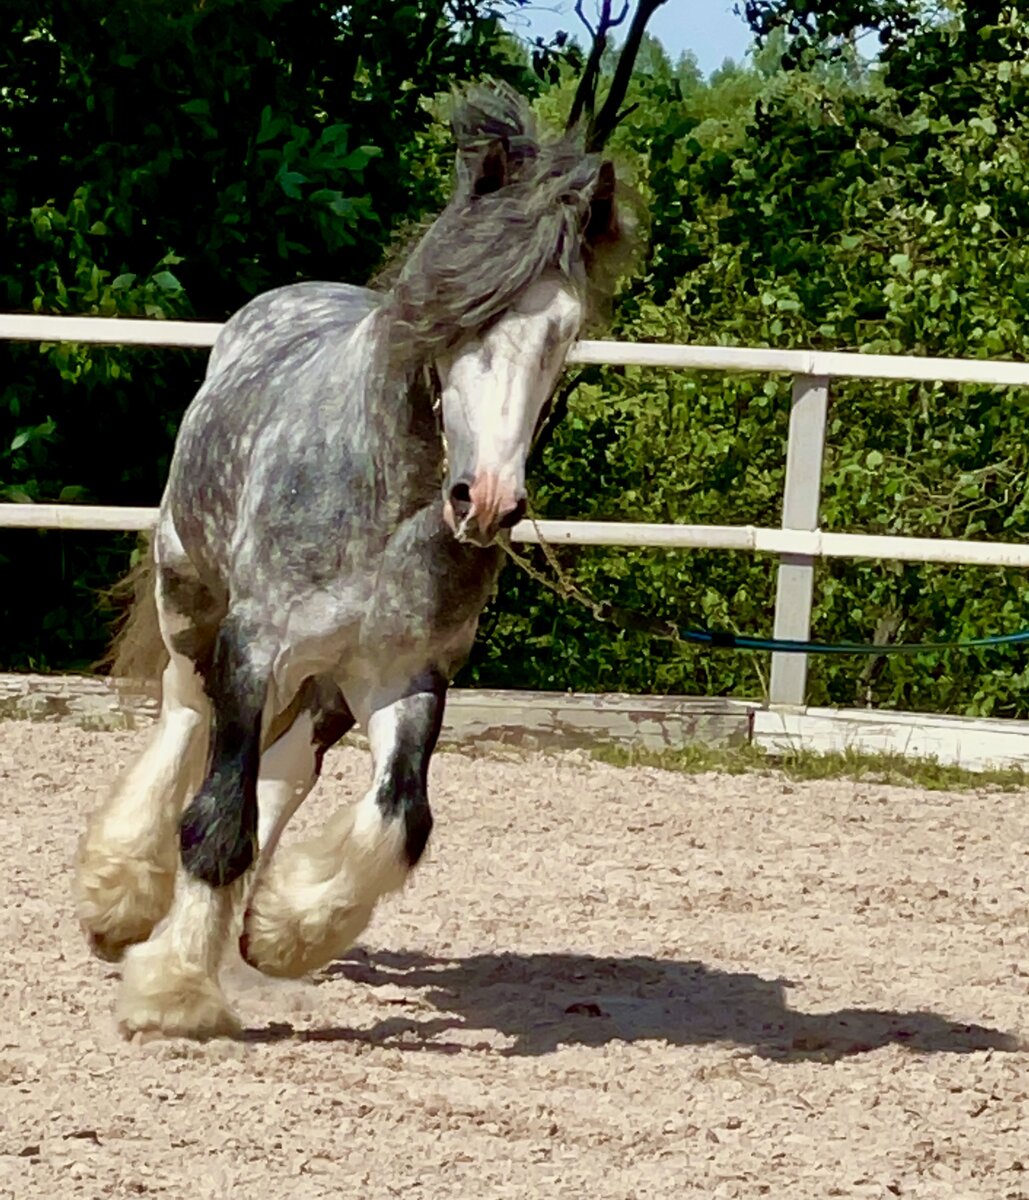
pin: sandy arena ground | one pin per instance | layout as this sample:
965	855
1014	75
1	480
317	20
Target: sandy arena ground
600	983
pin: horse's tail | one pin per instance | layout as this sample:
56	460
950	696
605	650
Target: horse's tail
137	653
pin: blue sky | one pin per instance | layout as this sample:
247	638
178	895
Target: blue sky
709	28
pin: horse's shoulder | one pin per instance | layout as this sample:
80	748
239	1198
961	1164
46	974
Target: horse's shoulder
285	313
312	298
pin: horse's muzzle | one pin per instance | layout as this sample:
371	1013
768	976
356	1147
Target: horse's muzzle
478	509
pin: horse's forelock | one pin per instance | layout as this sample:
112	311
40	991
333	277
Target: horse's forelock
484	249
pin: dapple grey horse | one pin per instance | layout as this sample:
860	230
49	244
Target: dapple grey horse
326	541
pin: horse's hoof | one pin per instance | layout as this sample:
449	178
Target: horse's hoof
272	949
290	945
199	1018
119	899
162	996
106	948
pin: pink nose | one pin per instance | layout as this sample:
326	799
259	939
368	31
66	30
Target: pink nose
491	504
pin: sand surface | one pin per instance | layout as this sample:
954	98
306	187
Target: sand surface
600	983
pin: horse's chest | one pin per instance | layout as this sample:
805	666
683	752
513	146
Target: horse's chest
428	594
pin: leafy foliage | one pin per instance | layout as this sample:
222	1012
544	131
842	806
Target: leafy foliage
173	162
806	199
815	208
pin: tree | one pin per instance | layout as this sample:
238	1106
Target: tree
602	122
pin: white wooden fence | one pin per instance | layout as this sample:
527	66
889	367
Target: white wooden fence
798	543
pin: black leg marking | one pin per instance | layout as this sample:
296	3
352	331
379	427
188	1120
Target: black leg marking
190	598
218	831
330	715
404	788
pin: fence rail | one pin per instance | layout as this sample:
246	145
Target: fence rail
798	543
125	331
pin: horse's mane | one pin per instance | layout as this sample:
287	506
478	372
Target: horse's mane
550	206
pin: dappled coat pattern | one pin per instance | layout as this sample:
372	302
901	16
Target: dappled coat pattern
330	532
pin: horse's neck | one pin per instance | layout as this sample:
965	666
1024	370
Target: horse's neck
394	429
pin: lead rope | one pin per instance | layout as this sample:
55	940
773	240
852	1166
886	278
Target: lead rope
603	611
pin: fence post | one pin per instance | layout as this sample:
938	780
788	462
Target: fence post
800	510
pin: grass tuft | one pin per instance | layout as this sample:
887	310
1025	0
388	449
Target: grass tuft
801	765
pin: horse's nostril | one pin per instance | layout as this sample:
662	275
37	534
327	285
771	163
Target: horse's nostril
514	516
460	499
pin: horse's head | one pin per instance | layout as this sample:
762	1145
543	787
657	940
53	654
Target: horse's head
495	390
497	291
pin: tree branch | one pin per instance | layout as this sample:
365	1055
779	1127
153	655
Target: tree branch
603	125
585	99
582	17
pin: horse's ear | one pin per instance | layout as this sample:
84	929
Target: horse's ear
602	223
494	168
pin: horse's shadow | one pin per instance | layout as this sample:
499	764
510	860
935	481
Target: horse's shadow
539	1002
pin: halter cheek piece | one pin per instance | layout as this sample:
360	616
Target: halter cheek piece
430	377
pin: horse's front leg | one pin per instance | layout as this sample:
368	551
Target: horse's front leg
125	869
295	744
316	897
170	983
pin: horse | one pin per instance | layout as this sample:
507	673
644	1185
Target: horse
333	523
